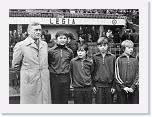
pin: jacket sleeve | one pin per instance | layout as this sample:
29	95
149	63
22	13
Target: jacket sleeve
94	71
117	76
50	56
17	58
71	72
114	82
72	55
136	80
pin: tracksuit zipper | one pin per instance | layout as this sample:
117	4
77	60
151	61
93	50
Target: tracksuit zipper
61	53
128	62
82	64
103	60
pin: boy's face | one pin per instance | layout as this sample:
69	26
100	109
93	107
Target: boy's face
128	50
81	53
61	40
103	48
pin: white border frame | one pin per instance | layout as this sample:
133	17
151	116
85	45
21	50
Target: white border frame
142	108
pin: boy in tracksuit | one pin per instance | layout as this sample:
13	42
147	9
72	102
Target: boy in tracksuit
104	64
127	75
81	74
59	58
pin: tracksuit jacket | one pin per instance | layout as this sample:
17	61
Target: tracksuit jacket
127	71
104	70
81	72
59	59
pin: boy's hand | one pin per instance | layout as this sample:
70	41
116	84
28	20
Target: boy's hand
131	90
71	86
126	89
113	90
94	89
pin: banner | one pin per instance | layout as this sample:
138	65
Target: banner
67	21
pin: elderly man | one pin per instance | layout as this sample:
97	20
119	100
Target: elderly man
30	59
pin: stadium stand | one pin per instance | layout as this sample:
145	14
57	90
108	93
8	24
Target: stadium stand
132	15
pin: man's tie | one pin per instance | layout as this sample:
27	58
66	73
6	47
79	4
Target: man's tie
37	43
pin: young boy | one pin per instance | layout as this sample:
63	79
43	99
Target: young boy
127	75
104	64
81	74
59	58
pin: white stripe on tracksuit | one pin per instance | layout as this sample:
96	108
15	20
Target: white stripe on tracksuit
117	72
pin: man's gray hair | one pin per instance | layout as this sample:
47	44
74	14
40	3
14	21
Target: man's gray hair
34	23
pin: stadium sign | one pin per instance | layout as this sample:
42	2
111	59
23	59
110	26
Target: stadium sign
62	21
67	21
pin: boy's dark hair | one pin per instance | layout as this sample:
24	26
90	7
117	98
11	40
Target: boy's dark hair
82	47
102	40
70	35
59	33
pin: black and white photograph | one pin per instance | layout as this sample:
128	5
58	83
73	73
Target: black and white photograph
81	59
74	56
